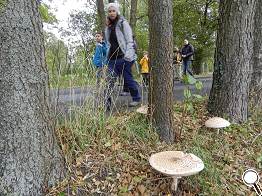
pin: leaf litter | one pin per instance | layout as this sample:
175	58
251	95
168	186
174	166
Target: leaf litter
120	166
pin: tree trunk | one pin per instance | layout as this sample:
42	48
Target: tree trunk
207	4
101	15
30	159
229	93
85	45
124	8
133	12
161	55
256	79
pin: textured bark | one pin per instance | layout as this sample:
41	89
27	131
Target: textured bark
101	15
256	79
231	78
133	13
161	55
30	160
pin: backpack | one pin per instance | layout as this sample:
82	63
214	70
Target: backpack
134	41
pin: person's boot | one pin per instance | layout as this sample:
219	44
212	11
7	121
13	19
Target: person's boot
134	103
124	94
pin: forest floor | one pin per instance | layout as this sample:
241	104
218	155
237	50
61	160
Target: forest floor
109	156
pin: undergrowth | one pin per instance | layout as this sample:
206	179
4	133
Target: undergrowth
108	155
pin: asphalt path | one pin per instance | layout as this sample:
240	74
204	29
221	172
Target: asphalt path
65	100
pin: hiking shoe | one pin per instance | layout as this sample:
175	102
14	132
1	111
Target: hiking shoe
124	94
134	103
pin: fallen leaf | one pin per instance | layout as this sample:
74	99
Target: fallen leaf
141	189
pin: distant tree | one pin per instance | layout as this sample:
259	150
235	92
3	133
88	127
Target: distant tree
231	78
133	15
30	158
196	21
101	14
83	24
161	58
56	55
142	27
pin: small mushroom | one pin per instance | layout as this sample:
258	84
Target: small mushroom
176	164
217	123
143	109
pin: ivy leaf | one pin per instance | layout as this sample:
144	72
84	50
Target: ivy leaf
188	79
198	96
187	93
199	85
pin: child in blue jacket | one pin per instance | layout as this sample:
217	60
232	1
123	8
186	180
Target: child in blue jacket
100	54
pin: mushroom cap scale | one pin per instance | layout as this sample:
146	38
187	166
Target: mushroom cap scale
176	163
217	122
143	109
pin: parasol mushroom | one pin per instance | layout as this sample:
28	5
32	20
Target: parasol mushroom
143	109
176	164
217	123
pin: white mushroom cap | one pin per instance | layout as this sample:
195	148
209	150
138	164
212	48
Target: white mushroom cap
143	109
217	122
176	163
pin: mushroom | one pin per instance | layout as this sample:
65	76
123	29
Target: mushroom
217	123
143	109
176	164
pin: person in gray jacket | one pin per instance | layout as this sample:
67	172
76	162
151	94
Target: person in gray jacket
121	54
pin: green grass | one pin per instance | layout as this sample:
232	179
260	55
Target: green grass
120	146
80	78
72	80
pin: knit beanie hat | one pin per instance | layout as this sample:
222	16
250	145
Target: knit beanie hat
115	6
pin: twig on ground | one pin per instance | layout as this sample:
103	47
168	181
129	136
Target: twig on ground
256	138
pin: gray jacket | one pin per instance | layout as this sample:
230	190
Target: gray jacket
124	37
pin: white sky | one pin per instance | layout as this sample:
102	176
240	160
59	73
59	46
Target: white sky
61	9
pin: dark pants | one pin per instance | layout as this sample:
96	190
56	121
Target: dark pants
125	88
186	67
122	82
99	75
117	68
145	78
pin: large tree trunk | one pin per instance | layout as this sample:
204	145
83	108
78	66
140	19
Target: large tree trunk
101	14
133	12
256	79
229	93
161	55
30	159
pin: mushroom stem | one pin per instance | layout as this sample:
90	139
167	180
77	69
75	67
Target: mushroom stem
174	184
218	131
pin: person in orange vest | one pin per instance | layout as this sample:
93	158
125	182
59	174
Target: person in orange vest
145	68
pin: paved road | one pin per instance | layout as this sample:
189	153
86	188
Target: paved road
66	99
